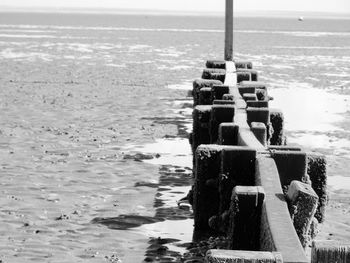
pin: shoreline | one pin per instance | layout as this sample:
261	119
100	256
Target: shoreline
176	13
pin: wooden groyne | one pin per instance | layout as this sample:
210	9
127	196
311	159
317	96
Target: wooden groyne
249	185
266	197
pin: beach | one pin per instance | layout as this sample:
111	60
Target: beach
96	113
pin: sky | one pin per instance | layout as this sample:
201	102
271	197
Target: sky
337	6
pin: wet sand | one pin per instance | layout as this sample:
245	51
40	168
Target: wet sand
93	134
67	135
320	131
92	166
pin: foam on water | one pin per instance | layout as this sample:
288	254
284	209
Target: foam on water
326	141
310	109
170	195
338	182
295	33
26	36
27	31
311	47
182	86
180	68
100	28
139	47
116	66
10	54
177	229
282	66
338	75
175	151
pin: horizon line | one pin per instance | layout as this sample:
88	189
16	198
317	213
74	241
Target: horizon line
160	12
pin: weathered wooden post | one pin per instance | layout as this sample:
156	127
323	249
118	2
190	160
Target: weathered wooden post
243	170
328	251
229	31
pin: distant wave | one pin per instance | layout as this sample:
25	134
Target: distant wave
7	30
296	33
185	30
39	36
111	28
10	54
311	47
26	36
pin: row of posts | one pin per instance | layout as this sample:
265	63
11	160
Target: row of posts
244	172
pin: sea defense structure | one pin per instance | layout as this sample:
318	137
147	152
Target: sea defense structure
266	197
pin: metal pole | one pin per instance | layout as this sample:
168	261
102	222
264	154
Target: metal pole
229	31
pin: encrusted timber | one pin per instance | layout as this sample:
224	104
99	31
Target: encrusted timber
327	251
206	122
239	256
217	170
222	64
277	230
303	202
198	84
220	74
208	91
216	70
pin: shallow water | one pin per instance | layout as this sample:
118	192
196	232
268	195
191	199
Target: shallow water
95	118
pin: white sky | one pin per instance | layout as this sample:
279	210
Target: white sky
341	6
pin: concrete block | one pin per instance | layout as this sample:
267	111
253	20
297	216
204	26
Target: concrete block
283	148
261	94
209	71
217	76
237	168
291	166
220	114
253	73
303	202
260	132
240	256
259	88
253	84
228	97
200	132
242	76
330	251
200	83
206	185
317	171
244	64
250	97
216	64
223	102
277	121
218	91
244	217
246	89
228	133
205	96
257	104
258	115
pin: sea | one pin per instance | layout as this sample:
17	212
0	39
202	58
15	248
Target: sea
95	114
